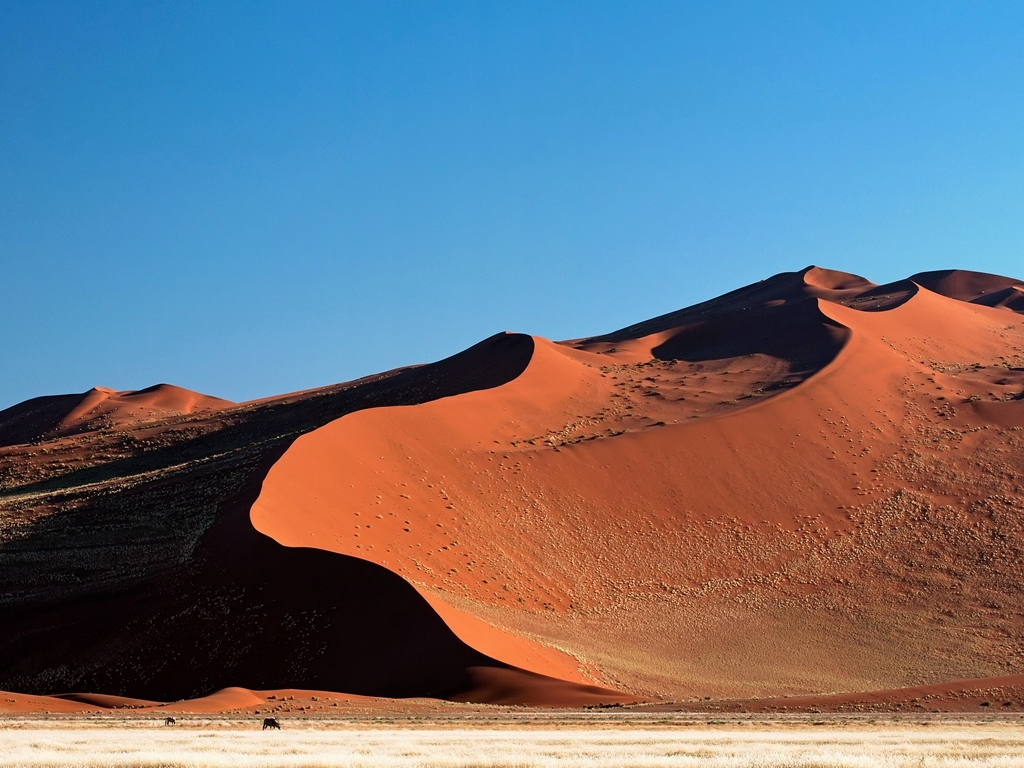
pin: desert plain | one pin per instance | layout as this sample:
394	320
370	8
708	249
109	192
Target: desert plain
801	499
514	742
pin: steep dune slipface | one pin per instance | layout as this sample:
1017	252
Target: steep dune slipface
814	540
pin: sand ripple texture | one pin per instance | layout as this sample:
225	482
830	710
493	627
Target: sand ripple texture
167	748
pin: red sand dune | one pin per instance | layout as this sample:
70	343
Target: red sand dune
99	408
808	485
604	500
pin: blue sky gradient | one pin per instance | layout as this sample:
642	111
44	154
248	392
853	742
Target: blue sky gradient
253	198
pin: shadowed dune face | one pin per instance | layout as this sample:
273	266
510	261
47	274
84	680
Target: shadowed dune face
975	287
258	614
964	285
809	484
800	335
785	289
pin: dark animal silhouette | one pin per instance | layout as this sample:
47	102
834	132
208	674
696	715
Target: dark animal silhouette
271	722
168	721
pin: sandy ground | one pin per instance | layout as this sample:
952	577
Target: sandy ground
36	743
992	697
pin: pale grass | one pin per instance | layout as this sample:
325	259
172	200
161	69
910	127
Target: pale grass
159	747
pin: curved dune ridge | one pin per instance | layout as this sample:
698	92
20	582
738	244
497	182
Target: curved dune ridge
701	502
808	485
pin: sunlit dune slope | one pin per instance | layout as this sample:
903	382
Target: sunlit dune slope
790	488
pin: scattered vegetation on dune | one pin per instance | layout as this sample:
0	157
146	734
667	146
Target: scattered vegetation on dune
135	747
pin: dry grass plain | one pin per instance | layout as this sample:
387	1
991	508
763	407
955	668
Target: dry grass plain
390	743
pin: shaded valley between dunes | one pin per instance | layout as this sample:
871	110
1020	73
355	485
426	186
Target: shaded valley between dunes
811	485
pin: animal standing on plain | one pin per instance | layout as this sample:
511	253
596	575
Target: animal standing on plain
168	721
271	722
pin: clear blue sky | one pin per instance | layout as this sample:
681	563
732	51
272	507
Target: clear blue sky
253	198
